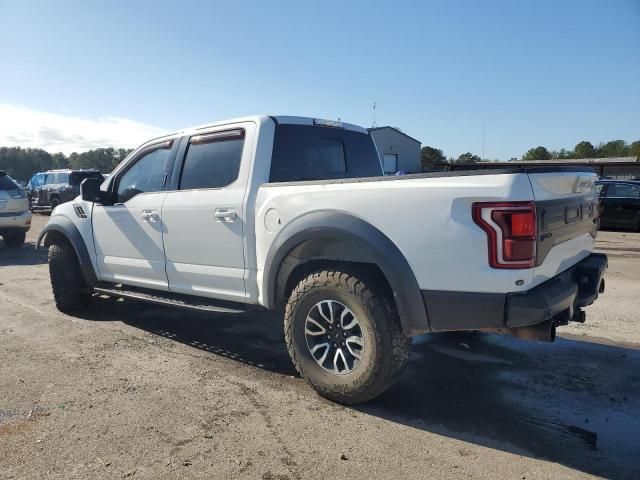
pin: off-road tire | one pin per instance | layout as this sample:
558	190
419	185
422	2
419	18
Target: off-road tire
386	347
15	239
70	291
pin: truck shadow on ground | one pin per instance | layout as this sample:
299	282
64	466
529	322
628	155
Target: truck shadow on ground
24	255
572	402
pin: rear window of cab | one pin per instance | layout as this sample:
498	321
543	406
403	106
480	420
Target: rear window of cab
310	152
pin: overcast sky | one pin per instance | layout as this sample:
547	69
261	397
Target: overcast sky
80	75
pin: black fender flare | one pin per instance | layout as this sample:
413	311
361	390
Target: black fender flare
65	227
343	227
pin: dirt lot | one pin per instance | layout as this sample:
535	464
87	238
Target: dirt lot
135	391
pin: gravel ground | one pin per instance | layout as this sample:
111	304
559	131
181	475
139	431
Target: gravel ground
129	390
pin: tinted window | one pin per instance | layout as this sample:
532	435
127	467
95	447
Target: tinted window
212	161
63	178
623	190
597	188
147	174
306	152
77	177
7	183
53	178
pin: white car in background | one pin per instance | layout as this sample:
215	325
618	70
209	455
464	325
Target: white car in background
15	216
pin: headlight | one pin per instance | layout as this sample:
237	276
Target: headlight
17	193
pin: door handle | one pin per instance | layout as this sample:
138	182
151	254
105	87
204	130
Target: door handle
225	215
150	216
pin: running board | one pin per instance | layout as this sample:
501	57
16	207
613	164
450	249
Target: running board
174	300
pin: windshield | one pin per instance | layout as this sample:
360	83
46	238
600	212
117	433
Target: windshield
78	177
7	183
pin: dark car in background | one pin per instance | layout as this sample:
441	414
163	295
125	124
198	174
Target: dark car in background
619	203
60	186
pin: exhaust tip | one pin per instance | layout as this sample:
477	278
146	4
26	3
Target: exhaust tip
543	332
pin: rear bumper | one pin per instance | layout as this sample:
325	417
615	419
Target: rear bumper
558	299
18	221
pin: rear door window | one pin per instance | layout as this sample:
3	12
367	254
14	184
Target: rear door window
309	152
212	160
53	178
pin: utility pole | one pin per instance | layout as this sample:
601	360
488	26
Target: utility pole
483	140
374	124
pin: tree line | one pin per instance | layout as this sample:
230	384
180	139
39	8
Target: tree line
22	163
431	157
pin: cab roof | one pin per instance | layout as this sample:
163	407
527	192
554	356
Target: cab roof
259	119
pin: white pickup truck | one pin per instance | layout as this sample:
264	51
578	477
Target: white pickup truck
293	214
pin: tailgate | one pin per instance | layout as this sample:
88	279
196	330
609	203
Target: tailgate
567	211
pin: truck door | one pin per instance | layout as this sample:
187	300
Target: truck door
204	214
128	234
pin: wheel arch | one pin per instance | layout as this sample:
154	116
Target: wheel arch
62	227
331	237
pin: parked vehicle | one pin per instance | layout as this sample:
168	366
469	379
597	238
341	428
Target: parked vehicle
15	217
619	203
33	185
60	186
293	214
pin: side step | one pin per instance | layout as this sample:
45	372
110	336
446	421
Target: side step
173	299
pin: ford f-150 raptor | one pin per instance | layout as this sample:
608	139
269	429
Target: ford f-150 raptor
293	214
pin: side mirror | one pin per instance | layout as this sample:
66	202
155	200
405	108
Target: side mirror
90	191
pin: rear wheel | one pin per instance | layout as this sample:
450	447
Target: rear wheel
70	291
344	337
54	203
14	239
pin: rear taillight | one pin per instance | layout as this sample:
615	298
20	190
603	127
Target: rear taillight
511	232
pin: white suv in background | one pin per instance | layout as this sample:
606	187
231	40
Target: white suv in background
15	216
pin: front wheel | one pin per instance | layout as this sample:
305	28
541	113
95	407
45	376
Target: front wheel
344	336
70	291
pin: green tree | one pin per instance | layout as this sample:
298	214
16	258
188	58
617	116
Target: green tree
614	148
21	163
431	157
563	154
538	153
634	149
584	149
103	159
467	158
59	160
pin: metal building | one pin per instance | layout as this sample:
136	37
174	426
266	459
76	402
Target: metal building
398	151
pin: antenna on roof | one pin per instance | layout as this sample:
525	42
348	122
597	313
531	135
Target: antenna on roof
374	124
